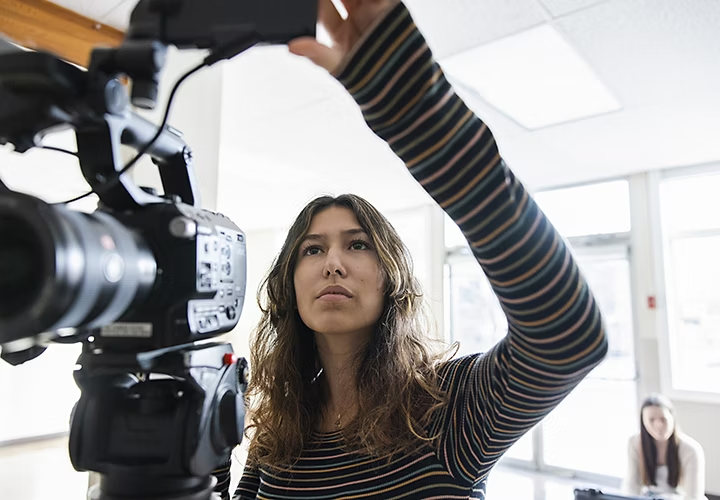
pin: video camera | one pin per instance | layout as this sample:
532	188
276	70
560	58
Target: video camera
146	277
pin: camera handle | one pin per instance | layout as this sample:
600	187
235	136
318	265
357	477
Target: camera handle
99	140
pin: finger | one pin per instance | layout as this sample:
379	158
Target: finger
350	5
323	56
329	17
355	7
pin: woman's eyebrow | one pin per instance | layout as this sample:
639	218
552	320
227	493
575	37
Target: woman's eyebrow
322	236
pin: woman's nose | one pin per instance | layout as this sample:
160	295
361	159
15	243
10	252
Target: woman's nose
334	264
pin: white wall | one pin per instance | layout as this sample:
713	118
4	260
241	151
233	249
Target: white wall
700	420
697	419
197	113
50	175
422	230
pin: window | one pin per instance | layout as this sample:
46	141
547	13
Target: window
476	321
690	212
475	318
597	227
600	414
607	270
588	210
597	209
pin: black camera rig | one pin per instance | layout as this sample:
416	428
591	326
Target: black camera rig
146	281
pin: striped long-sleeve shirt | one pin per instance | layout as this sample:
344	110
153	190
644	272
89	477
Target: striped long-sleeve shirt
555	329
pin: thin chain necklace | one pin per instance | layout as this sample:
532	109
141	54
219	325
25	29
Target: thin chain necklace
339	417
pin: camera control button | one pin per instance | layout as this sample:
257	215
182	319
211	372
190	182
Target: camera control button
231	313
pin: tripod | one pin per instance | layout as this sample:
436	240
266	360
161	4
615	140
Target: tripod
158	437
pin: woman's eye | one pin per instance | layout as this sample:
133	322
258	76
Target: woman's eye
311	251
359	245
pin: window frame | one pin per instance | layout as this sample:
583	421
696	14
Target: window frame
662	240
606	244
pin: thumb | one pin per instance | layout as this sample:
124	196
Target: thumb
322	55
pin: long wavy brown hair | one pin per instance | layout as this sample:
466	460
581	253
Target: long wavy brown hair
286	393
649	450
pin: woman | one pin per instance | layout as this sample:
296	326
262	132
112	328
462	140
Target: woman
661	459
349	400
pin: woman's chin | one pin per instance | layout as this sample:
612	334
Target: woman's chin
342	331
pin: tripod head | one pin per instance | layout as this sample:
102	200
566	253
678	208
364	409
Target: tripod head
158	438
146	281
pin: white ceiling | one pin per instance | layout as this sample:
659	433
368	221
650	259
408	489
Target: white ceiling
112	12
659	58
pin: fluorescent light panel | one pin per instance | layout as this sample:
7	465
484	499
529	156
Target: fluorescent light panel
535	77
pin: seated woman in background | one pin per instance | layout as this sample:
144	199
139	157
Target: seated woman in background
661	459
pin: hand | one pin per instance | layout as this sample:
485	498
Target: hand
345	33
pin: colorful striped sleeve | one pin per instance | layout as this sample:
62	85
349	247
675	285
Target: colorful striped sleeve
249	483
556	333
222	475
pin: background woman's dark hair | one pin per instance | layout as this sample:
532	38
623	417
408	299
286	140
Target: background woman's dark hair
649	450
285	390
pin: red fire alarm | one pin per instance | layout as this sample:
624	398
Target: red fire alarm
652	303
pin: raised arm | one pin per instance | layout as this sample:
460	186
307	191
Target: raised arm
555	330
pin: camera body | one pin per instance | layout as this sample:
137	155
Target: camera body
161	275
201	290
145	277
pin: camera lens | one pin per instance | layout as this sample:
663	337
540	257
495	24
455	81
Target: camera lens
21	266
65	269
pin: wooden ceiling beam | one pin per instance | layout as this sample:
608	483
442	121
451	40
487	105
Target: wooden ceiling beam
43	25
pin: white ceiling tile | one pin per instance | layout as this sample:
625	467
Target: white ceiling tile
291	130
535	77
119	15
320	148
650	51
293	124
79	6
94	9
559	8
452	26
268	83
619	144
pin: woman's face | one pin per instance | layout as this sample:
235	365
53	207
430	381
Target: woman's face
659	422
338	282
